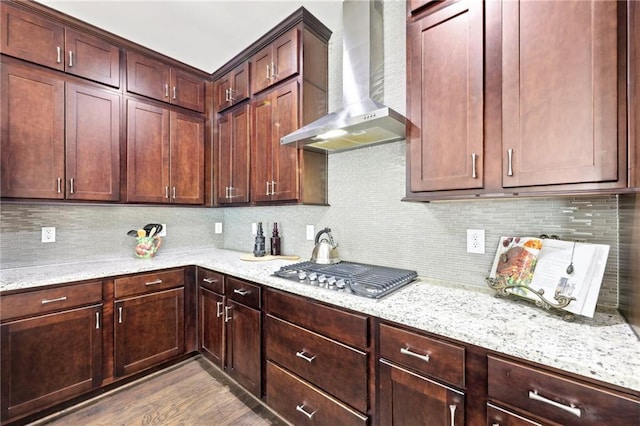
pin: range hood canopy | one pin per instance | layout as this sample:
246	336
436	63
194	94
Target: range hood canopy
363	120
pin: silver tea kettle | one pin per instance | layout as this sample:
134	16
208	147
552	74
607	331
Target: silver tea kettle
326	251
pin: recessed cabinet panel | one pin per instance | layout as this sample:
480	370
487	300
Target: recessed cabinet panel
187	159
187	90
92	58
234	130
560	92
147	77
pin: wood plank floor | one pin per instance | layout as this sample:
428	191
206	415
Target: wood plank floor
192	393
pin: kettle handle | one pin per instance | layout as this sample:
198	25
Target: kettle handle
323	231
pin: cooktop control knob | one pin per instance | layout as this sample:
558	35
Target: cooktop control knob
302	275
313	276
340	283
331	282
322	278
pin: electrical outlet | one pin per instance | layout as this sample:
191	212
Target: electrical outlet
162	233
254	228
48	234
311	232
475	241
218	228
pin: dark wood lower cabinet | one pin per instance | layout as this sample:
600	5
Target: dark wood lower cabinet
244	345
407	398
148	329
212	326
49	359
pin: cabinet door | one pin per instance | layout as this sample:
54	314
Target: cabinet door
32	117
31	37
410	399
233	87
221	92
149	329
233	156
92	144
187	90
92	58
244	346
148	77
559	92
147	153
187	159
285	55
285	173
261	149
261	70
445	99
212	326
49	359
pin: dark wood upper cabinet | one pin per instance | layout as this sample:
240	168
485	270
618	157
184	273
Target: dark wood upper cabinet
158	80
445	79
275	62
232	87
45	42
232	147
186	158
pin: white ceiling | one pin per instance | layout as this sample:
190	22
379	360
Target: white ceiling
205	34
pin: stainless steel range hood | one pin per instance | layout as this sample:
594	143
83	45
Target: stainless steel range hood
363	120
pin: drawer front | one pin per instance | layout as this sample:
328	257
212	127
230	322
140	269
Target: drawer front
335	368
243	292
431	357
210	280
148	283
49	300
345	327
302	404
557	398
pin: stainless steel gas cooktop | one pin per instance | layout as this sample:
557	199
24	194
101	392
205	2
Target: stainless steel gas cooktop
357	278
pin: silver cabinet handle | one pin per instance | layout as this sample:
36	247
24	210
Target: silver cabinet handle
452	408
227	317
59	54
301	409
274	74
474	175
210	280
59	185
231	192
72	184
231	98
153	282
70	58
174	192
58	299
568	408
304	356
119	314
268	183
226	95
97	320
219	309
268	71
273	187
510	155
175	93
166	192
166	90
406	351
241	291
226	192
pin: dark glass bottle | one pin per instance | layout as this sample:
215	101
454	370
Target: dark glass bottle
275	241
259	246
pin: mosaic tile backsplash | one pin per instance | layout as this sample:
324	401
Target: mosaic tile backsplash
367	217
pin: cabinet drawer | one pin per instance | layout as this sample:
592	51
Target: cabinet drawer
49	300
557	398
429	356
351	329
302	404
337	369
147	283
213	281
243	292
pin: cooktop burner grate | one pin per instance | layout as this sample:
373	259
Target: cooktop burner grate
365	280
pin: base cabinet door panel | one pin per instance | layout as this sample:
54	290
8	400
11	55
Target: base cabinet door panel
212	326
49	359
407	398
244	345
148	330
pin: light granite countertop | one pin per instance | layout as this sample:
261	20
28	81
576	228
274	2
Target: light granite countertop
603	348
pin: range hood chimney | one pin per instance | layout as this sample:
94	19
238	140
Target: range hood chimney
363	120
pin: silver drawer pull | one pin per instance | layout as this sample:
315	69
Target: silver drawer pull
301	409
510	163
452	408
227	317
97	320
219	309
119	314
406	351
153	282
241	291
210	280
474	174
303	355
568	408
58	299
